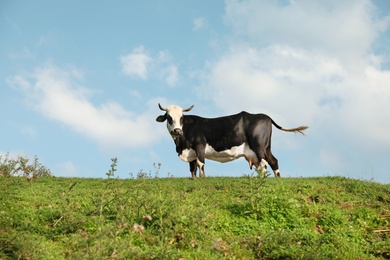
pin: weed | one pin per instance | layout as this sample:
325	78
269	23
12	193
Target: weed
255	191
7	165
111	172
21	167
141	174
156	167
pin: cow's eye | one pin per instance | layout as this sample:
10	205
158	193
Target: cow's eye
170	121
181	120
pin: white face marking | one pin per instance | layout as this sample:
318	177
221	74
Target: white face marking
174	115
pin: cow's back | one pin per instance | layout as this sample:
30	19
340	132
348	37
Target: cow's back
223	132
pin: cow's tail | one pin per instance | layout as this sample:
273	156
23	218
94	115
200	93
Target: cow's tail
298	129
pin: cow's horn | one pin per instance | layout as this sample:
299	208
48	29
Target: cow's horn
163	109
188	109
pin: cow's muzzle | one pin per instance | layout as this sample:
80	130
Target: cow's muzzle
177	132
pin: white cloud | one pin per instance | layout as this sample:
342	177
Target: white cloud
309	24
198	23
140	64
66	169
167	71
309	63
164	56
55	93
24	54
136	63
276	77
171	75
28	131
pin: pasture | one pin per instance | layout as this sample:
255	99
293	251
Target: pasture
176	218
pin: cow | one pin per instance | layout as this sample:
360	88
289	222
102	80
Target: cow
223	139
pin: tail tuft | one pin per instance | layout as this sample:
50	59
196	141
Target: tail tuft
298	129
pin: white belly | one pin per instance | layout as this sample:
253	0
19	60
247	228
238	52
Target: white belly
228	155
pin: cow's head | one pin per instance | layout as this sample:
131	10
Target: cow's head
174	116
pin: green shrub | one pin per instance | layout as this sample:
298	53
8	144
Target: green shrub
21	166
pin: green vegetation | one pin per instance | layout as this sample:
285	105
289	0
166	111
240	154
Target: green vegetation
21	166
176	218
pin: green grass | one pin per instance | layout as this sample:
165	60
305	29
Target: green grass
175	218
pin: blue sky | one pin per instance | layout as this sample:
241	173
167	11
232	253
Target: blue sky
80	81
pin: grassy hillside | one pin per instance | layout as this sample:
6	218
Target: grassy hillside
174	218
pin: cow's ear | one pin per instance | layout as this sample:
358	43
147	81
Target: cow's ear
161	118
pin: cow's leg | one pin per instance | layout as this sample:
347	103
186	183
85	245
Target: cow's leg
200	153
201	168
273	162
263	167
260	152
193	168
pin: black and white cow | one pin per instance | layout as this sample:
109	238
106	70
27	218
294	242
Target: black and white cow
222	139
